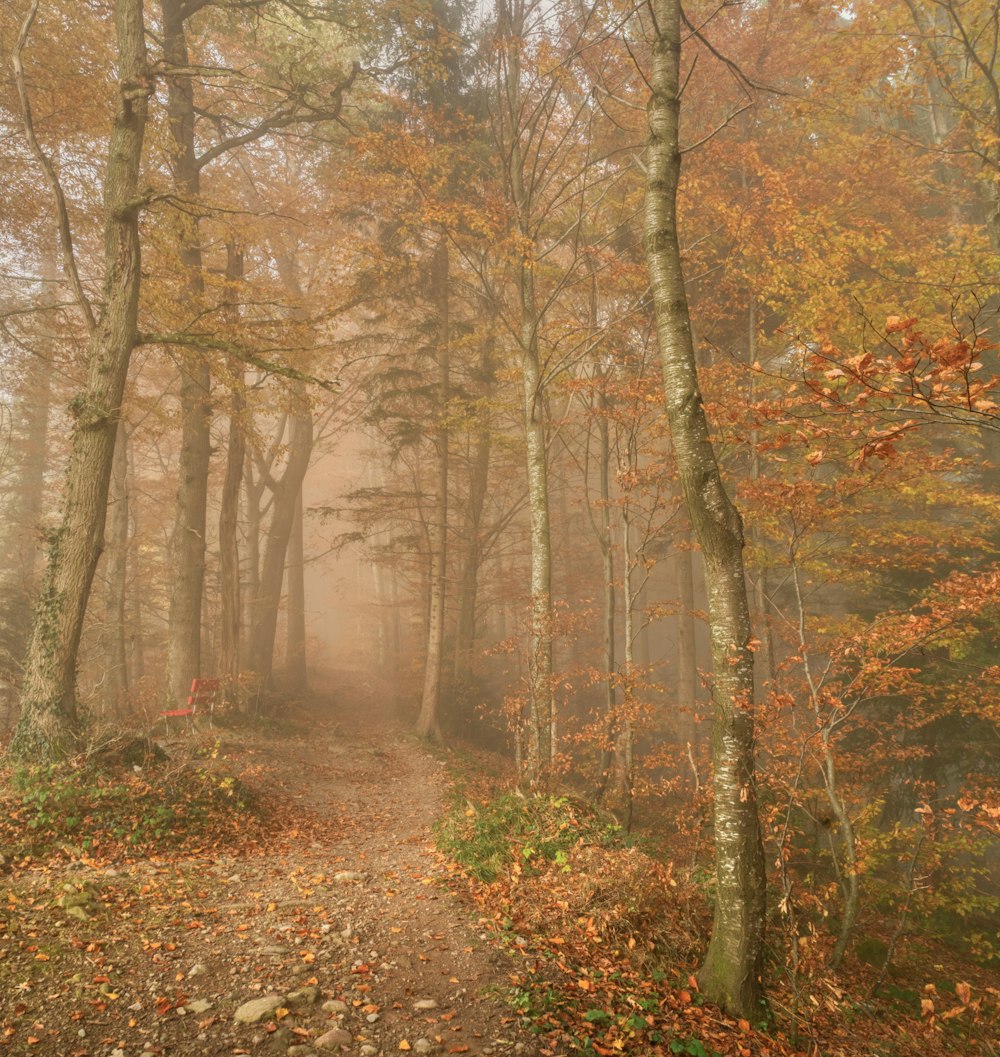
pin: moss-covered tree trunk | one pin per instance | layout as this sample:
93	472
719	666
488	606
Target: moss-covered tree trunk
49	719
731	974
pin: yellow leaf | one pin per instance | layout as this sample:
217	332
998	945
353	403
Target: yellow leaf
280	1012
404	1045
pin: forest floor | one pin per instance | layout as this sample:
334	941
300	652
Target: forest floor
329	922
338	925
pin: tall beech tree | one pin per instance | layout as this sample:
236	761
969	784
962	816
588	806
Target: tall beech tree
49	717
731	975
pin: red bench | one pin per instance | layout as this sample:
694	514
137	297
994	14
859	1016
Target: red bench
204	693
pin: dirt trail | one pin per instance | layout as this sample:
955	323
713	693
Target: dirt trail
416	941
345	942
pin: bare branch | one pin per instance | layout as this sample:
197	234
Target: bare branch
62	214
205	341
283	119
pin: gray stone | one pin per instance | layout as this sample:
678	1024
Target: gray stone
257	1009
303	996
424	1005
198	969
369	1051
334	1039
348	876
76	899
77	912
199	1005
300	1051
372	1018
423	1046
335	1006
281	1039
274	950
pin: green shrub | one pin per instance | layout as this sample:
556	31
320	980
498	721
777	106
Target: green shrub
487	838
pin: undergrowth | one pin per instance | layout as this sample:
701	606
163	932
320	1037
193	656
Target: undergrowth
598	929
491	837
83	808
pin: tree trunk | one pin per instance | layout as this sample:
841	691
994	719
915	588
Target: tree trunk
472	553
296	672
541	706
731	976
687	649
229	547
20	540
116	568
609	614
538	747
49	718
253	492
622	768
429	719
187	544
272	573
229	512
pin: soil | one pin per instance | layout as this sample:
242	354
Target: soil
349	926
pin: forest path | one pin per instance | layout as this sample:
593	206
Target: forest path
336	936
414	972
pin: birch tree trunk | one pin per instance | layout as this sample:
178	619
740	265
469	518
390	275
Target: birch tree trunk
731	976
49	719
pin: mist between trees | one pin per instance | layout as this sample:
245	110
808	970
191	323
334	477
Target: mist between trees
616	382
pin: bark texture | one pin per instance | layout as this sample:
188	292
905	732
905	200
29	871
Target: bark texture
428	720
731	976
116	674
49	719
187	543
